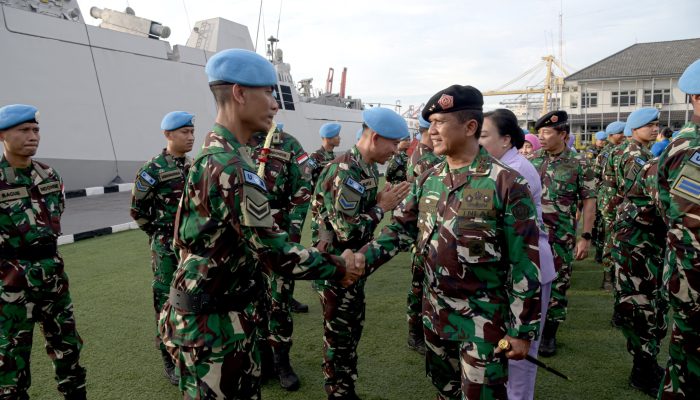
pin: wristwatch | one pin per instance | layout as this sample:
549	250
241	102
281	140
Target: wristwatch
586	236
380	213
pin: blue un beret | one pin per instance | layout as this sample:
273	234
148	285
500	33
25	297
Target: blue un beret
240	66
15	114
176	120
601	135
614	128
639	118
329	130
423	123
387	123
690	80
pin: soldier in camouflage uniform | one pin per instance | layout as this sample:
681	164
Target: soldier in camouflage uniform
154	200
398	163
566	181
33	284
224	231
474	221
679	196
330	139
346	210
614	132
288	192
592	154
422	159
638	247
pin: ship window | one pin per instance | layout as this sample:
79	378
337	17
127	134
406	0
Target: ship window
287	98
276	94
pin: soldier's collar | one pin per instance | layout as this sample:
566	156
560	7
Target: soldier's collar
695	119
355	152
227	135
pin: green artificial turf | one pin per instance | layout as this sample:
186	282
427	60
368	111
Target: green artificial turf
110	285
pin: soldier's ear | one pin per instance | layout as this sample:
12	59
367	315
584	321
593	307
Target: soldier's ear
238	93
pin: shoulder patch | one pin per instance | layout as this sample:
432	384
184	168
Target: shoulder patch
148	178
302	158
695	159
140	186
640	161
354	185
689	187
346	204
312	162
49	187
253	179
168	175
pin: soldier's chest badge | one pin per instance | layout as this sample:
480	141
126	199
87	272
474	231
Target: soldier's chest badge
253	179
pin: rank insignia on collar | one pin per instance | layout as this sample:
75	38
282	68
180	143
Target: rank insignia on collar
356	186
254	180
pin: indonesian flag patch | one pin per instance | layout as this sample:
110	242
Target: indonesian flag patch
302	158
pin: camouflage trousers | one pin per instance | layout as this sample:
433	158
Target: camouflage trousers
563	258
682	377
30	293
231	371
598	235
414	302
608	262
343	320
280	291
163	265
465	370
639	301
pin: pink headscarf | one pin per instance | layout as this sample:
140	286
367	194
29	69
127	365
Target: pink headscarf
534	141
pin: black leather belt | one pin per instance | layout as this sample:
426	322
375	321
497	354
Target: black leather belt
207	304
34	252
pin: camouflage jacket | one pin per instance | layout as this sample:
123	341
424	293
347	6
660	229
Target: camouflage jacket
679	197
396	168
639	209
626	166
597	166
31	204
343	210
476	227
157	192
566	180
591	153
224	228
317	161
608	185
288	183
422	159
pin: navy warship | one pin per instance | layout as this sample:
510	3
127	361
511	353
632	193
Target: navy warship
102	90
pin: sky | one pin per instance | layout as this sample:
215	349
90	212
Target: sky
408	50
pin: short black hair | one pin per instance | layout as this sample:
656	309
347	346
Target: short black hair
222	94
667	132
507	124
465	115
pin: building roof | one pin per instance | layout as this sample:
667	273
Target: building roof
643	60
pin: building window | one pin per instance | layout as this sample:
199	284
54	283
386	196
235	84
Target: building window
589	100
624	98
574	101
276	95
661	96
287	98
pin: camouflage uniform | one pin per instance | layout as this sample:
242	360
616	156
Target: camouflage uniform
289	192
599	226
638	247
317	161
679	180
477	229
396	168
344	217
33	284
223	231
154	200
566	181
591	153
422	159
611	199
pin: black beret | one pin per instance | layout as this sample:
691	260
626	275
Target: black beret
454	98
552	119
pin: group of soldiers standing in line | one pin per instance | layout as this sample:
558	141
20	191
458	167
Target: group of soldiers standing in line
493	236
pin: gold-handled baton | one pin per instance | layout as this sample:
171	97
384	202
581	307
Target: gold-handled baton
505	346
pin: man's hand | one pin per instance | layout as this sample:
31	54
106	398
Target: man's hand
582	248
392	195
518	348
354	267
